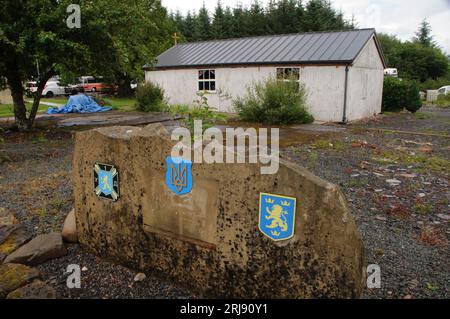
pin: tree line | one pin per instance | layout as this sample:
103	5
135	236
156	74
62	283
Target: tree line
277	17
419	59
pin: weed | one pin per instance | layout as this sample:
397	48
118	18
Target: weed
424	209
357	182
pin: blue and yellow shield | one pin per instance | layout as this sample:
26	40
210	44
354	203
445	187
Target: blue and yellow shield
106	181
179	175
277	216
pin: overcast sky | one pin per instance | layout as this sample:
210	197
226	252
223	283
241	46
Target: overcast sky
399	17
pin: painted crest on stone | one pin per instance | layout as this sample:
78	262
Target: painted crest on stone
106	181
277	216
179	175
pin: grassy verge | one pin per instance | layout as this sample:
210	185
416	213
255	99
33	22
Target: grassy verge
6	110
117	103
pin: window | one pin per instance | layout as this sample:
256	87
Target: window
207	80
287	74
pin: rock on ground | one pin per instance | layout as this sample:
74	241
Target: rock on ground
36	290
39	250
15	239
69	232
6	218
14	276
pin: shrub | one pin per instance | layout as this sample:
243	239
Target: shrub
150	98
399	94
442	100
274	102
199	111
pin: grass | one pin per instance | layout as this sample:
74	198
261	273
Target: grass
119	104
426	162
328	144
424	209
423	116
6	110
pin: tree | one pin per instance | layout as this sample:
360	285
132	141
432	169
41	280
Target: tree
321	16
112	41
218	24
256	22
202	28
390	45
414	60
141	31
424	36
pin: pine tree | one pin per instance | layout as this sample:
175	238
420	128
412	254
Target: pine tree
256	22
202	28
424	36
218	27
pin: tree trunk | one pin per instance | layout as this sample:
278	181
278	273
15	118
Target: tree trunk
23	122
124	88
20	110
37	98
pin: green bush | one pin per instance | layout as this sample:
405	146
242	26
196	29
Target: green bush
399	94
442	100
150	98
274	102
200	110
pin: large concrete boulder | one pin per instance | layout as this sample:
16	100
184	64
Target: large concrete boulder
209	240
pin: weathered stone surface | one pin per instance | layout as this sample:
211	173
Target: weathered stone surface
38	250
69	232
13	276
6	217
209	240
36	290
5	231
15	239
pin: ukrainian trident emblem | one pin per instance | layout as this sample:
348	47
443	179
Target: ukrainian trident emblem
179	175
106	181
277	216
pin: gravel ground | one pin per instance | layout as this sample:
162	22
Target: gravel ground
404	225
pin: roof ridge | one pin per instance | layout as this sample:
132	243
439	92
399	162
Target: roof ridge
272	36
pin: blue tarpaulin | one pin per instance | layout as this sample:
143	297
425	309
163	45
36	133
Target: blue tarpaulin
80	103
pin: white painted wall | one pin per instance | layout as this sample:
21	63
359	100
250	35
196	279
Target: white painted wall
365	89
324	86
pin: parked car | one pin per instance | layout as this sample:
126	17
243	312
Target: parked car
444	90
30	88
134	84
72	89
93	84
391	72
53	88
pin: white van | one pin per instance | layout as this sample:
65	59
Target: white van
391	72
444	90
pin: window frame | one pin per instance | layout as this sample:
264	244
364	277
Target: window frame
209	76
285	74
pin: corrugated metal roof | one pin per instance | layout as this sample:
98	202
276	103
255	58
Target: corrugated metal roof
303	48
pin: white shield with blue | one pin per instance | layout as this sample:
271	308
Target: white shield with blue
179	175
277	216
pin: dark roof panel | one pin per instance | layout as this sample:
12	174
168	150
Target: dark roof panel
314	47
